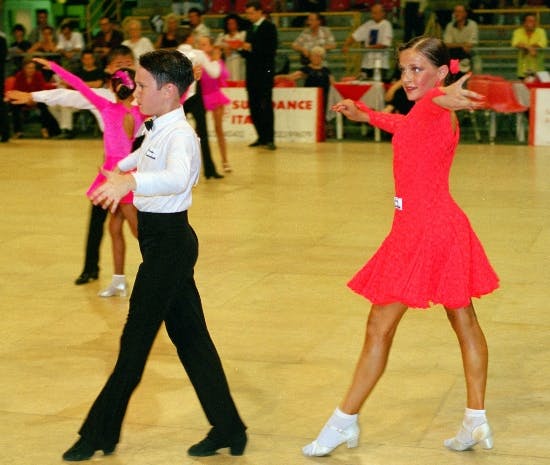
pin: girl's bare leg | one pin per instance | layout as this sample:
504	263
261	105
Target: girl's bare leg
473	346
342	425
381	326
129	212
217	113
474	353
117	239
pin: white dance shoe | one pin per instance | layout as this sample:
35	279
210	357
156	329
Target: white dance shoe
337	436
119	289
466	440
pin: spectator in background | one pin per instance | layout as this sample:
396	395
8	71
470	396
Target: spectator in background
107	38
136	41
171	36
69	44
413	18
315	35
314	74
19	46
396	99
29	79
529	39
230	41
259	51
195	22
47	44
460	37
377	36
41	22
182	8
89	72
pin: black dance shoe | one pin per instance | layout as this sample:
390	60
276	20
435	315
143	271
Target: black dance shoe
270	146
258	143
86	277
210	445
83	450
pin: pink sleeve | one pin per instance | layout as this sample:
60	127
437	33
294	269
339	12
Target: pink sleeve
78	84
385	121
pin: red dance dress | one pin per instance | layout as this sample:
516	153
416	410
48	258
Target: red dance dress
431	255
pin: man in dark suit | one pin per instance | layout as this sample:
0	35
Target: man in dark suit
259	51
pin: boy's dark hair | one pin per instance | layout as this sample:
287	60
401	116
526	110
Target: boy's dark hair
254	4
195	10
19	27
118	51
168	67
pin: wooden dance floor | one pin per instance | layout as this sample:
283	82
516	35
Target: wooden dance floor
279	239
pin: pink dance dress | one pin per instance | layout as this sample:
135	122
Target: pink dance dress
431	255
116	142
212	96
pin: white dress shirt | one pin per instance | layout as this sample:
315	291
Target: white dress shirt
168	165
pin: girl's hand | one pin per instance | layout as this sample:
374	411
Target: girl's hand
458	98
42	61
349	109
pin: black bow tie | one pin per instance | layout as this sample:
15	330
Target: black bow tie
148	124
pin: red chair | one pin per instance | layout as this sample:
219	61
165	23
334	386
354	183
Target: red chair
220	7
283	82
240	6
339	5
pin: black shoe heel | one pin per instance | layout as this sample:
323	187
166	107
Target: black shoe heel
238	445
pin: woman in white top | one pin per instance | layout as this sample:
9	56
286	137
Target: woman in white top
230	41
135	41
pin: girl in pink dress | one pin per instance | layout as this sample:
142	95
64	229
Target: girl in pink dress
122	121
431	255
214	99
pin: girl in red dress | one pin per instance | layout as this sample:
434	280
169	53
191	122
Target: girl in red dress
431	255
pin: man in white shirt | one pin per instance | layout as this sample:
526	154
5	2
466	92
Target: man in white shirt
460	37
377	36
168	166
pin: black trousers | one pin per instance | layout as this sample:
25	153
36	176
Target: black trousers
260	104
195	106
93	240
47	120
164	291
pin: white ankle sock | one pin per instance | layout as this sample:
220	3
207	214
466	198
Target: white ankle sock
118	279
472	419
329	436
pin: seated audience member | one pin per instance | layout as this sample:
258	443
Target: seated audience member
93	77
136	41
41	22
377	36
4	125
107	38
182	8
69	45
195	22
314	74
315	35
19	46
461	36
47	44
230	41
29	79
529	39
171	36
